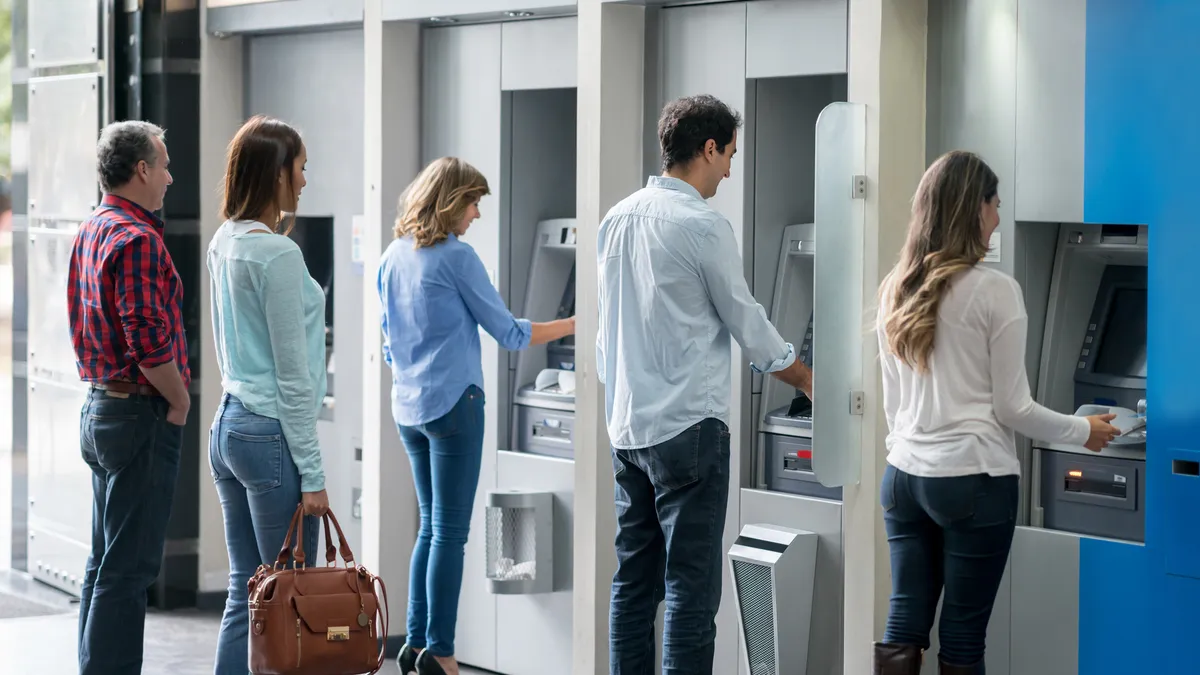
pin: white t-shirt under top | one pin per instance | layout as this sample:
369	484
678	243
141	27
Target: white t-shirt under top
958	419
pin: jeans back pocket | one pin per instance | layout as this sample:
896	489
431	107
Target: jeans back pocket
256	460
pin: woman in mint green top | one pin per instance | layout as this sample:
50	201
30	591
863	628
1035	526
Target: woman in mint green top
269	324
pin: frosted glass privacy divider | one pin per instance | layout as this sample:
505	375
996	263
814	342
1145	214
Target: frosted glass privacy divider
840	215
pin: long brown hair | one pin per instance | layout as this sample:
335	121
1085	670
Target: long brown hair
435	203
945	237
262	150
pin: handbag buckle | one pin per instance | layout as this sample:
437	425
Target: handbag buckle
337	634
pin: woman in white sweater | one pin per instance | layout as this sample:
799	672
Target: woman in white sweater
952	346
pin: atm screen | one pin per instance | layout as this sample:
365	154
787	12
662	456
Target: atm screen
1122	348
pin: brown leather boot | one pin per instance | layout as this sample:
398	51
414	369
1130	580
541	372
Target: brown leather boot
947	669
897	659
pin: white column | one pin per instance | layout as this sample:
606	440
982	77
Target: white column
611	49
391	108
887	73
222	112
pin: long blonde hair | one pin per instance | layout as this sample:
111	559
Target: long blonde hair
434	204
945	237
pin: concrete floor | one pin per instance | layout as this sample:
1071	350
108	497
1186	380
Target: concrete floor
177	642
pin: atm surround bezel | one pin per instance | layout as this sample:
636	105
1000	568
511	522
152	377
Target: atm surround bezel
1115	278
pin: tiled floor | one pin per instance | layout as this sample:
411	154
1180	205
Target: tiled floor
177	643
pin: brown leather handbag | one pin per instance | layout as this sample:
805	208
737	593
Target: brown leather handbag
316	620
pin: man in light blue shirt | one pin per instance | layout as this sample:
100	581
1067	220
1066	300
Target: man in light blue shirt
672	293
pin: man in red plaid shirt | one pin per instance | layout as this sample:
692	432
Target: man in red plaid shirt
124	297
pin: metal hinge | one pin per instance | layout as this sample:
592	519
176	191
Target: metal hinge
857	401
859	190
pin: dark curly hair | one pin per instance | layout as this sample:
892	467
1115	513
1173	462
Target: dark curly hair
687	123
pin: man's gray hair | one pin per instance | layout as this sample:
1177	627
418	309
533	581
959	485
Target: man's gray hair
122	145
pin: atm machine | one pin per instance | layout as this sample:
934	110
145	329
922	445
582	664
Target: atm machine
784	461
543	412
1094	362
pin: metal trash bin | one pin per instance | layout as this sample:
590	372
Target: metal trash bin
773	573
520	542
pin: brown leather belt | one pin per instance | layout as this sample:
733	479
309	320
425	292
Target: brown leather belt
127	388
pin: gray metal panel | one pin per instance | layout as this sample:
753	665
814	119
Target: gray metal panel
64	123
460	116
63	32
824	518
791	37
1097	515
51	351
539	182
539	54
1045	602
270	17
533	632
784	162
971	93
308	80
60	485
495	10
1051	61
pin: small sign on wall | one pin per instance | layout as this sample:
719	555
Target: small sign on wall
993	254
356	240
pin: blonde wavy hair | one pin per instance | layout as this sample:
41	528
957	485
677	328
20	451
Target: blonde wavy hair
433	206
945	238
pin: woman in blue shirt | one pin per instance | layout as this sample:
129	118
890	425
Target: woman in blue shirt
436	295
269	324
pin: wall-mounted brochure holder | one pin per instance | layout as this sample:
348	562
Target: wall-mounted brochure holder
520	542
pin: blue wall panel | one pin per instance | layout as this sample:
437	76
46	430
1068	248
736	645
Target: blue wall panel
1142	144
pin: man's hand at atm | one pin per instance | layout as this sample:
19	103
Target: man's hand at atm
798	375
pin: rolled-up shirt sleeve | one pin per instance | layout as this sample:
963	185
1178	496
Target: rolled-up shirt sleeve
487	307
720	269
141	301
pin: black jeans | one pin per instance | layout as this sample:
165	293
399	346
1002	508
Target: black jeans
671	501
134	456
953	533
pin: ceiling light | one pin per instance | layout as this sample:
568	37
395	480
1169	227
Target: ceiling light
518	15
442	19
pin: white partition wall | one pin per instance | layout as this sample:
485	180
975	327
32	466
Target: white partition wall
460	116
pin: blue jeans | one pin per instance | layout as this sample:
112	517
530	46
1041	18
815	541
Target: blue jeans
952	534
133	453
259	488
445	455
670	501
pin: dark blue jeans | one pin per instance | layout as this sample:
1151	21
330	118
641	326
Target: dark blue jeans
671	501
952	534
133	453
445	455
259	488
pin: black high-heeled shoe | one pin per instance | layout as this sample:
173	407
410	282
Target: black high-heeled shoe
407	660
428	665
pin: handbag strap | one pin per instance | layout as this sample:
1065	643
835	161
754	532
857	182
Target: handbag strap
281	559
347	554
381	610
